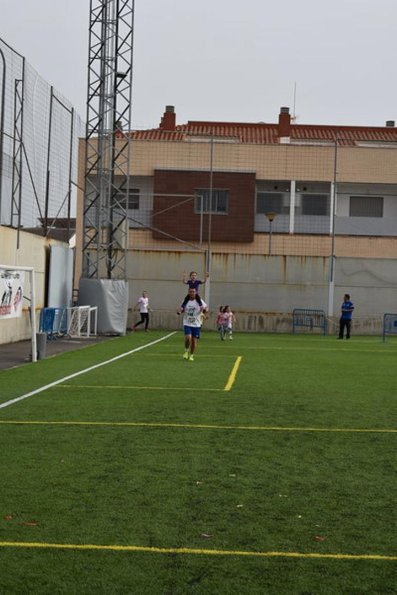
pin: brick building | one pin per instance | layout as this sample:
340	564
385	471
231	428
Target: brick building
316	179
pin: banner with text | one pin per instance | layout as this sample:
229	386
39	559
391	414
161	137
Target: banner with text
11	291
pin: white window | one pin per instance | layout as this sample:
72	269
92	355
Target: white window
215	200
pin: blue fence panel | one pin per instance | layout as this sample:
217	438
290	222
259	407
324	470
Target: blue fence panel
54	321
308	318
389	325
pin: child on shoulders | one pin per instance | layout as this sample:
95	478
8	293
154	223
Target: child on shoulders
193	283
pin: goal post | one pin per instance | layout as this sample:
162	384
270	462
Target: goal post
389	325
82	321
12	294
309	318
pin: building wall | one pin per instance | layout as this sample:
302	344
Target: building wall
285	162
32	252
356	170
271	286
282	245
175	215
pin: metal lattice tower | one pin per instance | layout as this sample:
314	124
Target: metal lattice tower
107	156
17	150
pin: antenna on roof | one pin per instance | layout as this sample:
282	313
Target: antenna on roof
294	116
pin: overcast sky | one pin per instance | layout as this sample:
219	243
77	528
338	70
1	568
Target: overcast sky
228	60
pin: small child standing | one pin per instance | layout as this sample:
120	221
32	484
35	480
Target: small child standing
220	323
229	318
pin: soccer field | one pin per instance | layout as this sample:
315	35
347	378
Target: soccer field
266	466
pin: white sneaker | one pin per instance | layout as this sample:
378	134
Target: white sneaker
186	355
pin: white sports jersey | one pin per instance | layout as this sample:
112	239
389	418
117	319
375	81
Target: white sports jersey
143	305
192	313
228	319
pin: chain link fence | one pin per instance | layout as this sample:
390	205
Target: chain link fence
39	131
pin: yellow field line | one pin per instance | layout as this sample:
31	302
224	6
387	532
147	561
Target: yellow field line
196	426
233	374
192	551
118	386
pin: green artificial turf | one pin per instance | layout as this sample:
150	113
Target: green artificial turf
151	452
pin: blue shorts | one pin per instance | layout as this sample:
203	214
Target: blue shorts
194	331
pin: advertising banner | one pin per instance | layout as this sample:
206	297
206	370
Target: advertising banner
11	292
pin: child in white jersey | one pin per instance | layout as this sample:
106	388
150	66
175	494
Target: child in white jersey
192	321
228	320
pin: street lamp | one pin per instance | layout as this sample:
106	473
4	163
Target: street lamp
270	217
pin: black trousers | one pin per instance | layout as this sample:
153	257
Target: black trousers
344	322
144	318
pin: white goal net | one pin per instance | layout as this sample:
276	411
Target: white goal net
82	321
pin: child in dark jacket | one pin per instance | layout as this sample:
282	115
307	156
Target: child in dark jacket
193	283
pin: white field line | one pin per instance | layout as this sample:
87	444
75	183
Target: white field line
109	361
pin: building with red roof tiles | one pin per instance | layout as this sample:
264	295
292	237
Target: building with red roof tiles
202	182
317	180
286	214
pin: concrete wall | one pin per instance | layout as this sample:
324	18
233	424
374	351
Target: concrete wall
32	252
264	322
264	290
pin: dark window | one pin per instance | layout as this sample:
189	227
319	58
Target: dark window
366	206
270	202
217	201
132	199
315	204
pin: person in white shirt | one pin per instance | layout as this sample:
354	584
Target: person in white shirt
143	305
192	321
229	319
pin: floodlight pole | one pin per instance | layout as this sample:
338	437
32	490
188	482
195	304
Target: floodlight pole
270	217
201	218
331	286
108	139
3	95
208	257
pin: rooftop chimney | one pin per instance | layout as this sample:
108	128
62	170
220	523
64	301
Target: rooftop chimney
390	123
284	122
168	119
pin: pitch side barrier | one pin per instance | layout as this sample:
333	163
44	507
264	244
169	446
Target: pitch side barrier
79	321
53	321
307	318
389	325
